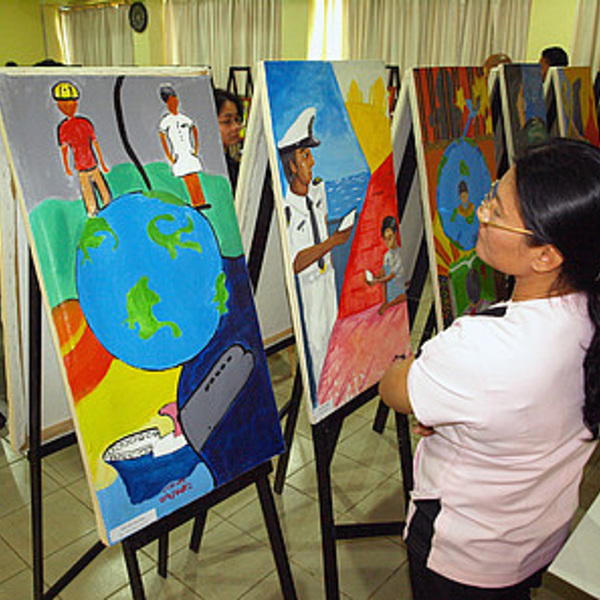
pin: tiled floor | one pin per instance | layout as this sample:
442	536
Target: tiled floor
235	560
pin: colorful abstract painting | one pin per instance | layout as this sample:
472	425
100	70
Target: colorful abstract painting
456	144
329	136
524	106
131	222
576	106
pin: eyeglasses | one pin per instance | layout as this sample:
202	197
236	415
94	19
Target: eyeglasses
231	121
486	216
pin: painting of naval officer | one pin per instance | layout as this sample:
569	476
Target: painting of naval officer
310	242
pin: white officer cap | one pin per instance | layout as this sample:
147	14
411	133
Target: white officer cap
300	134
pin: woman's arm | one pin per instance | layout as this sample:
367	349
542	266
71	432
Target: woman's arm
393	387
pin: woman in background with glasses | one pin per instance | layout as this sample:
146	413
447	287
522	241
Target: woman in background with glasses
509	400
230	115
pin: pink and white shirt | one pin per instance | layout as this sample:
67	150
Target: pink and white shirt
504	392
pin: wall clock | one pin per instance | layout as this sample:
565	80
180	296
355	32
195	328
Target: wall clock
138	16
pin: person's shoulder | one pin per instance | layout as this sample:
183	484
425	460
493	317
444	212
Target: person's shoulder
560	315
294	204
82	120
317	185
480	329
165	120
183	118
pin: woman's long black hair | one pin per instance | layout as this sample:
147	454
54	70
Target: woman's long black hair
559	187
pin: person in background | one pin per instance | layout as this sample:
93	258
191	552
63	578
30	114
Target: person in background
495	60
508	400
554	56
230	115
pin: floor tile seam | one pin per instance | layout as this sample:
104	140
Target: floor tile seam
378	589
45	494
238	509
266	543
19	574
23	567
49	555
337	512
291	472
57	478
371	465
16	552
78	499
255	585
13	461
171	574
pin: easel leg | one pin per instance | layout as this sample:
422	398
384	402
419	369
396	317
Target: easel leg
133	569
35	424
276	538
381	417
406	457
324	440
198	530
163	554
288	434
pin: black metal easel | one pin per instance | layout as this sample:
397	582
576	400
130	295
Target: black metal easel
158	530
198	510
232	81
256	255
325	433
37	451
393	86
325	438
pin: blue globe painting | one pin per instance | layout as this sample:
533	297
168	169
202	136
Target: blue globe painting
136	261
463	180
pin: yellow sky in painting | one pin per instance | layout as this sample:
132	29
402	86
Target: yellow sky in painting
103	420
370	121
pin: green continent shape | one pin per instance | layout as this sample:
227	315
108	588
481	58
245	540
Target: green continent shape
171	241
464	168
140	302
441	166
95	231
221	295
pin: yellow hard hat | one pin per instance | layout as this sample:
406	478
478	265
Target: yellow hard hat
65	90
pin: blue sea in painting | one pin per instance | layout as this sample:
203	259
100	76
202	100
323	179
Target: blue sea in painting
343	195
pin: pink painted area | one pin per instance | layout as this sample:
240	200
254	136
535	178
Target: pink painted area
170	410
361	347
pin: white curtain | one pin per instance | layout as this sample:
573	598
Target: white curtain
98	35
326	29
411	33
223	33
585	46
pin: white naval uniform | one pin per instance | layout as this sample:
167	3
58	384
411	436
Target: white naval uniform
316	285
178	129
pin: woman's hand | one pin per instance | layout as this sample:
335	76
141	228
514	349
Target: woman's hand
423	430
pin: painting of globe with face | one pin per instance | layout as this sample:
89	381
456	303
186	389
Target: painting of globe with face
463	180
135	263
